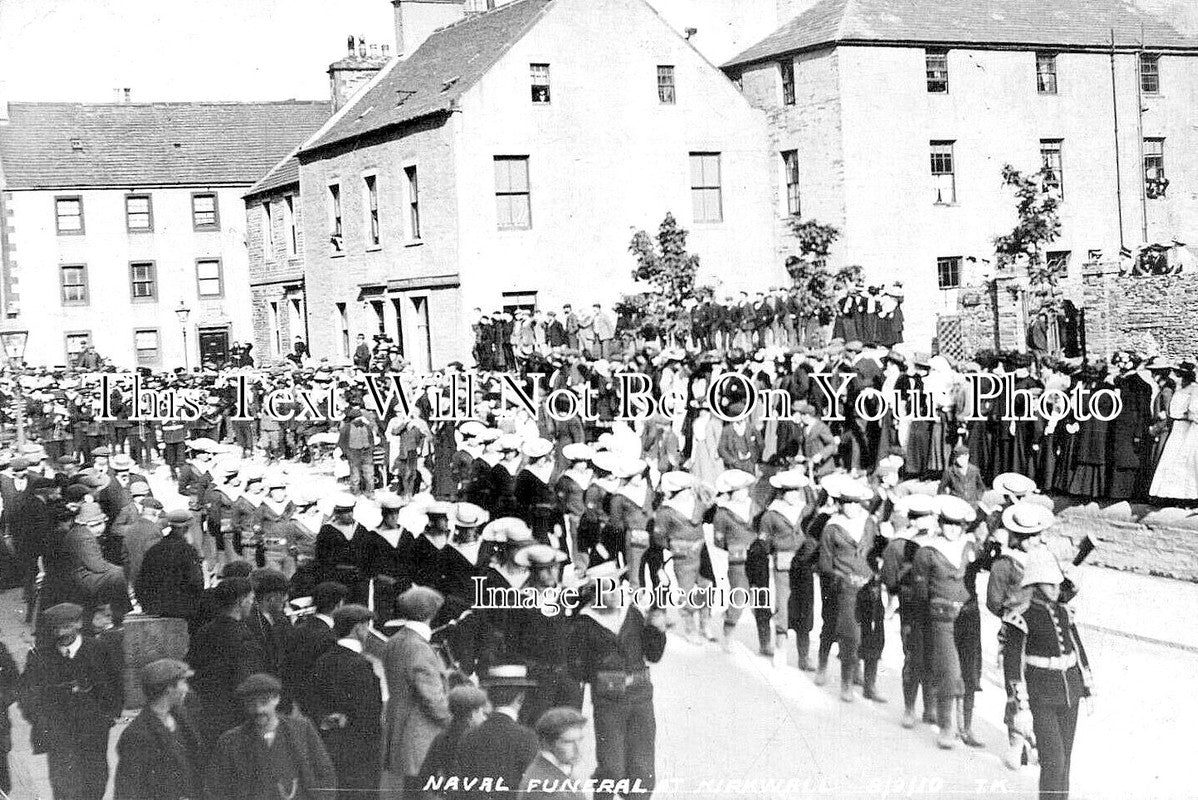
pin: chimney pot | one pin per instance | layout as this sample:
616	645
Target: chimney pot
128	93
362	47
350	44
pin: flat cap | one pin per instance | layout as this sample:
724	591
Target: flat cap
268	581
139	489
152	502
89	513
466	699
101	452
75	493
344	501
257	685
352	613
164	671
61	615
18	464
550	725
122	462
179	517
419	603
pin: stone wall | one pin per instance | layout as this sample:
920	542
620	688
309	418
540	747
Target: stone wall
1150	314
1162	542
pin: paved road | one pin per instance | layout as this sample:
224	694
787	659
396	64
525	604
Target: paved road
724	718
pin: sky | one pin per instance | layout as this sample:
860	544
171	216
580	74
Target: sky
81	50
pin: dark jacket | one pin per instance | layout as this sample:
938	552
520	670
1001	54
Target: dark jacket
223	654
70	701
309	640
499	747
344	682
234	772
170	582
151	767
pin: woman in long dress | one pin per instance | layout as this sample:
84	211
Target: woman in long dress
1176	475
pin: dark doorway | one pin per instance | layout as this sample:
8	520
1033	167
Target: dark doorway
214	345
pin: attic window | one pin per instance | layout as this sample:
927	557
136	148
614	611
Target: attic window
76	145
449	83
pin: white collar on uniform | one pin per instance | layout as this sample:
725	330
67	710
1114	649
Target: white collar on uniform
326	619
72	649
788	512
421	629
350	644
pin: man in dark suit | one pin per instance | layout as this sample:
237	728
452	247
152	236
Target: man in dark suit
14	492
269	755
309	640
223	654
160	754
71	694
170	580
500	747
362	353
347	705
267	623
819	445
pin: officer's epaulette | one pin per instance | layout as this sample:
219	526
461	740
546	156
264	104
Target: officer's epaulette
1015	618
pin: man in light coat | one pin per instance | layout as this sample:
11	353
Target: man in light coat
605	331
417	702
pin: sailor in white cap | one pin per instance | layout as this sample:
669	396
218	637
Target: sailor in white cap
733	528
502	502
782	525
341	550
1046	671
498	631
846	547
920	512
629	513
535	497
571	491
678	527
476	485
470	449
939	582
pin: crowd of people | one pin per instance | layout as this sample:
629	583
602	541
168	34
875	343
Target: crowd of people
289	584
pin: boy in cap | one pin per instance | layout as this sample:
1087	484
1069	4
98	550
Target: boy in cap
269	753
939	584
347	704
73	694
160	754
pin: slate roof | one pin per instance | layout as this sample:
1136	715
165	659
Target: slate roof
150	144
432	79
1049	23
284	173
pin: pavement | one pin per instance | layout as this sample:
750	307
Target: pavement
736	724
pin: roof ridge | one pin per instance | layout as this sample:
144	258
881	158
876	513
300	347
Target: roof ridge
160	103
478	15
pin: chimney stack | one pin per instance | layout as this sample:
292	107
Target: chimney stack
361	63
415	21
128	92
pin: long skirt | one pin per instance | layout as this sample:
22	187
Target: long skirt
1176	476
967	634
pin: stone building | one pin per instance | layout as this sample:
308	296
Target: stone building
892	121
508	159
115	214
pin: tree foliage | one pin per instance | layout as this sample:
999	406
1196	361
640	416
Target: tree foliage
1037	205
817	283
664	263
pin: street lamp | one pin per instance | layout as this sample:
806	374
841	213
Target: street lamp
14	343
182	312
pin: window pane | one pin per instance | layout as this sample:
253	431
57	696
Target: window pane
70	215
204	210
1150	79
540	82
665	84
937	70
948	272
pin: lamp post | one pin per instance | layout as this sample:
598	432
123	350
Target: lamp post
14	348
182	312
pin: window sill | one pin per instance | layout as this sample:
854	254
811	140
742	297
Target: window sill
374	248
515	230
337	254
207	229
75	305
944	205
72	233
144	301
414	243
140	231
